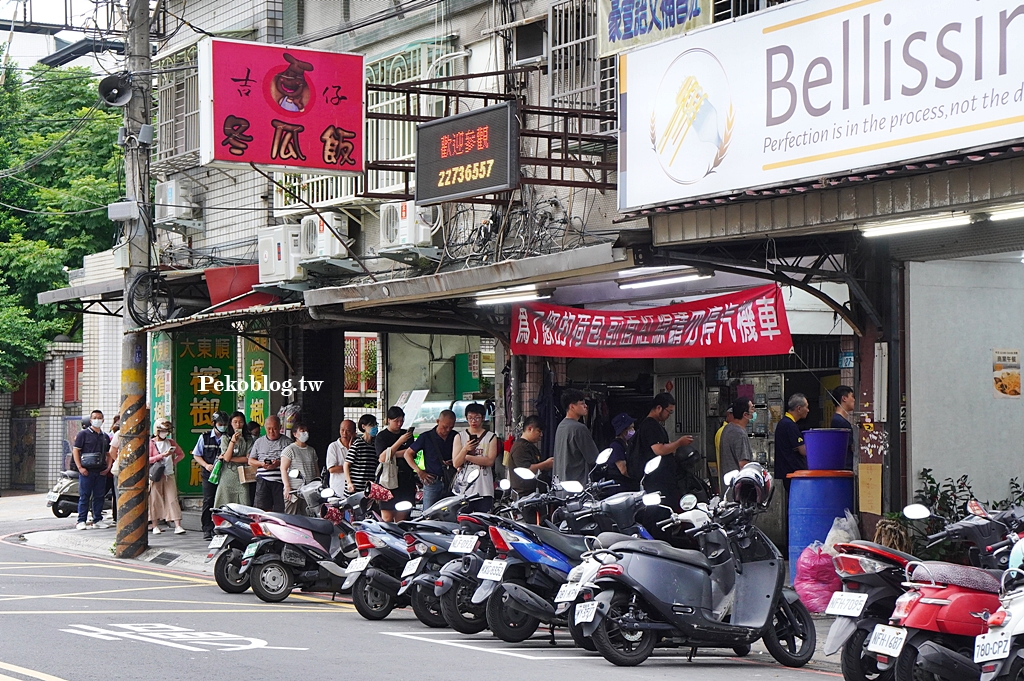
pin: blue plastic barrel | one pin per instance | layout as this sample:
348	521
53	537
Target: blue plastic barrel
816	499
826	448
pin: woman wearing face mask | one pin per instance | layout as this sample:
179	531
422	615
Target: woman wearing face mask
615	469
163	492
361	462
302	457
234	447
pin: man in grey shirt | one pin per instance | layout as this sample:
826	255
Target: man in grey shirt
266	456
735	444
575	451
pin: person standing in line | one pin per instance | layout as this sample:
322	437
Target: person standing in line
436	445
734	443
391	444
206	452
846	402
654	441
617	466
526	454
163	492
114	467
302	458
476	448
575	451
266	456
339	478
361	463
235	446
254	430
90	454
790	452
718	443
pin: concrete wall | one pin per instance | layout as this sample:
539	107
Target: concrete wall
957	313
418	361
101	352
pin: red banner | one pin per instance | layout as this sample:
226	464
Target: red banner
747	323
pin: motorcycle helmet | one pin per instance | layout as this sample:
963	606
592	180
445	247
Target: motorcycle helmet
752	486
1015	578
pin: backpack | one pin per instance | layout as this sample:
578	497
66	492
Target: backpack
635	460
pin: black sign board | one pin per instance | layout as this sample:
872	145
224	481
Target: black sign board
470	154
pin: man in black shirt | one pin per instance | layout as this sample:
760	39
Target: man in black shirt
654	441
436	445
790	453
90	452
845	404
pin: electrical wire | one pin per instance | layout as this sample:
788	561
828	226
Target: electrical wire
52	213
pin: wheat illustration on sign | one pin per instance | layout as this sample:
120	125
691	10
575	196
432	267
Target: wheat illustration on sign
693	111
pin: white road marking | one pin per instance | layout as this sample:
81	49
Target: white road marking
518	652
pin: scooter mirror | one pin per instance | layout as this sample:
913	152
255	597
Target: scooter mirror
975	508
652	499
403	506
294	474
603	457
729	477
327	493
505	484
652	465
525	473
917	512
572	486
472	475
688	502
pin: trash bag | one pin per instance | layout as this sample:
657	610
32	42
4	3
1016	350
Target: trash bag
816	578
844	530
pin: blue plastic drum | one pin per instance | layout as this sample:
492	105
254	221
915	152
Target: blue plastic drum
816	499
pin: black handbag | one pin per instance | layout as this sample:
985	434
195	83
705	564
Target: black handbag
93	461
156	471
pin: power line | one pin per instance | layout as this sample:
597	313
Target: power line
55	214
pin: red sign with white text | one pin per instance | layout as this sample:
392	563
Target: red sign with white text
747	323
280	106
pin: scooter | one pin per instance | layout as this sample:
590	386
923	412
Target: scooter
231	527
63	498
730	594
373	576
1000	652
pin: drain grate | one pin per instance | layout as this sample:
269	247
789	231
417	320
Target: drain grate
164	558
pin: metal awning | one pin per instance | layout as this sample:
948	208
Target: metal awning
102	288
230	316
589	260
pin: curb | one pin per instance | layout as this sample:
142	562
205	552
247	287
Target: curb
100	545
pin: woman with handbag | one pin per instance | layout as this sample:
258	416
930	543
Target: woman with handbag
234	447
475	448
394	473
164	455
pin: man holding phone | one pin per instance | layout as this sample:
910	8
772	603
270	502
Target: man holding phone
476	448
266	456
391	445
436	445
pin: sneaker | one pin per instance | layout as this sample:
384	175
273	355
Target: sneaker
102	525
208	537
156	530
179	530
81	526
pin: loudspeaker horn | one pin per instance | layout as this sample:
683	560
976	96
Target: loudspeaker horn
116	90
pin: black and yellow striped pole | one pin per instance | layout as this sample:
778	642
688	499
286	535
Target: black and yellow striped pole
133	480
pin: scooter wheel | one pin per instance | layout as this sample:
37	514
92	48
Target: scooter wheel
427	608
371	602
576	631
622	647
741	651
272	581
782	640
508	623
225	571
61	508
858	665
459	610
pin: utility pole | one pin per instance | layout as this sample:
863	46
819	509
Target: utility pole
133	480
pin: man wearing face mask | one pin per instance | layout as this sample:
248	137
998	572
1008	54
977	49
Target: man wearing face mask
206	452
616	469
90	453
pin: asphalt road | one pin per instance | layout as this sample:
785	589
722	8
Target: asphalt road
70	618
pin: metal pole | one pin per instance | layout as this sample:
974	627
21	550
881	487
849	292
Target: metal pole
133	480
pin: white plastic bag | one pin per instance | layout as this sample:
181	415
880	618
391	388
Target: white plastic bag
844	530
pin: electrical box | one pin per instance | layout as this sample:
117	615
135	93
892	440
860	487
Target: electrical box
280	252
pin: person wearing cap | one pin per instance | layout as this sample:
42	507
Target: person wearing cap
163	492
616	467
205	453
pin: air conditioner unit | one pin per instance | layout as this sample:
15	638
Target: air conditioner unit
403	224
318	239
530	43
280	251
173	201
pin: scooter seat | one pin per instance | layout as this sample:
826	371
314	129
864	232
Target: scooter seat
315	525
607	539
663	550
870	545
957	575
571	545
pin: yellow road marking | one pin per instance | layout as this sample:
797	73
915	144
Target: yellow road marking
818	15
28	672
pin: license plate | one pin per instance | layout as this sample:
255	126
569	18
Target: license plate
887	640
51	497
463	543
358	565
568	592
845	604
994	645
219	541
412	566
492	569
585	612
250	551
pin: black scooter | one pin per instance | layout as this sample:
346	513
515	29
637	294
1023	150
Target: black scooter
231	527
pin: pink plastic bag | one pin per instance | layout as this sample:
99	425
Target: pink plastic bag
816	578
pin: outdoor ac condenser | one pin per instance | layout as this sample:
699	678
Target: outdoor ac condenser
403	224
280	250
318	241
173	201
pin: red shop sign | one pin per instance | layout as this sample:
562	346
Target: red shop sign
279	106
747	323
